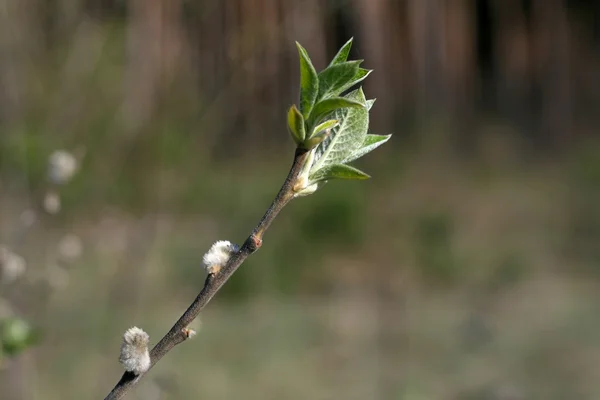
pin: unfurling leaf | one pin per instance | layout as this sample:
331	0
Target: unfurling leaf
309	82
342	54
308	190
347	136
337	171
371	143
333	79
333	125
296	125
330	124
324	108
316	140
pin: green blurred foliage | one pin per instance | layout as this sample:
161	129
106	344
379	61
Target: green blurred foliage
583	230
434	251
16	335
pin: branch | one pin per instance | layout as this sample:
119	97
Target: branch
214	282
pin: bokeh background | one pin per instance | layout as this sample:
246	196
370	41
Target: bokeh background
133	134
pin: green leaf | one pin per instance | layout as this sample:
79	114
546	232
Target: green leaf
333	79
327	106
296	125
309	82
342	54
332	123
345	138
316	140
360	76
370	104
337	171
371	143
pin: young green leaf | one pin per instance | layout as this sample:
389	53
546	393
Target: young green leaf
347	136
337	171
309	82
360	76
371	143
333	79
342	54
296	125
327	106
330	124
316	140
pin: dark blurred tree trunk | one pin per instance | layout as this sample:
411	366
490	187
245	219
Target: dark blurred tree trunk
551	50
84	50
429	56
400	100
512	58
19	48
271	67
428	27
461	67
154	44
252	104
374	18
276	24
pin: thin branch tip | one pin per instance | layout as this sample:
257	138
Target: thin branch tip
221	261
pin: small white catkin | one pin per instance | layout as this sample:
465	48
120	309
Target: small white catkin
218	255
134	351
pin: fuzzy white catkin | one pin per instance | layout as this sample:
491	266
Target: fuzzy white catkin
218	255
134	351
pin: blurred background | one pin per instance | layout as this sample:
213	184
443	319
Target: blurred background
133	134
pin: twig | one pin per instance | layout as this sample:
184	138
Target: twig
214	282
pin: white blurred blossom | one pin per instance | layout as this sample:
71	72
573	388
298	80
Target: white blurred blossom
52	202
62	166
70	247
28	217
12	265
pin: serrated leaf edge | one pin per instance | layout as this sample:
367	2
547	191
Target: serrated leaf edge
343	53
324	173
363	150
